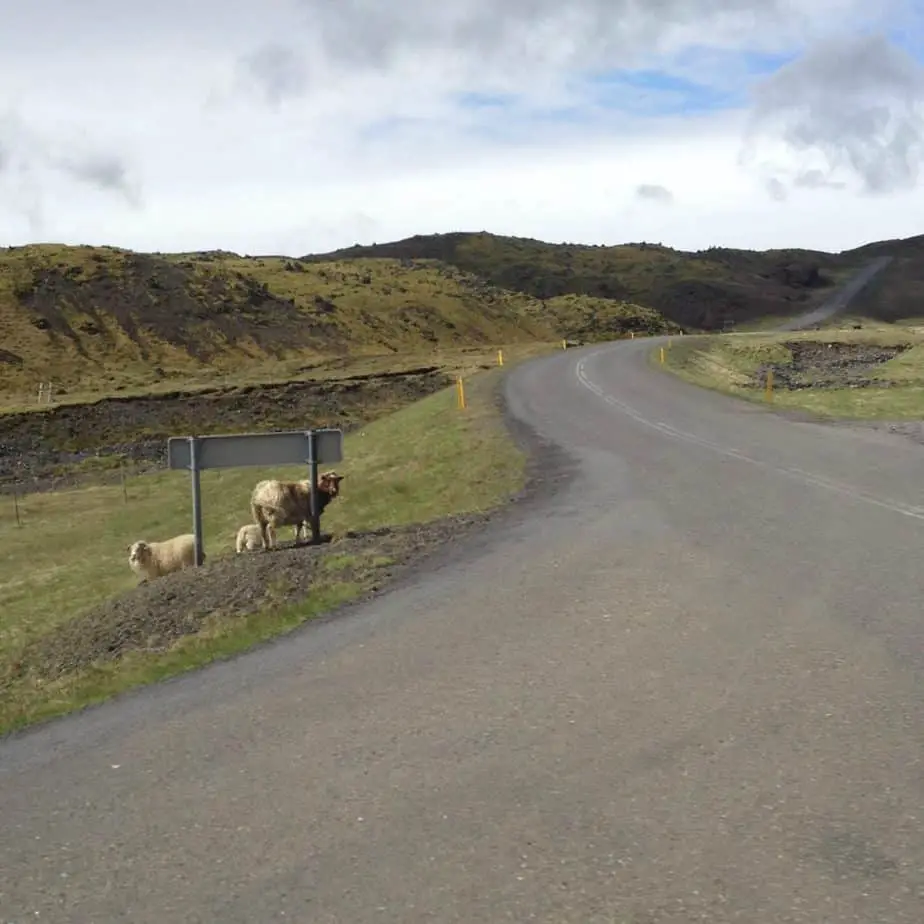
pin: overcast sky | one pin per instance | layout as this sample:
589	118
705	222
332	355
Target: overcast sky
298	126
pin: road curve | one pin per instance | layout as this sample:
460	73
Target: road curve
685	688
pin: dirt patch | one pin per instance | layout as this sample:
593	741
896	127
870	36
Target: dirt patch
60	444
154	615
829	365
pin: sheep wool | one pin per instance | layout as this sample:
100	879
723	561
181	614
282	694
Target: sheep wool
249	538
276	503
151	560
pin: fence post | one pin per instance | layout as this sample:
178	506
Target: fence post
16	508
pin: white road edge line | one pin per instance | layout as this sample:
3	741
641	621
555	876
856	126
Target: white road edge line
796	474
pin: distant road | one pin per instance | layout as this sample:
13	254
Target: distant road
688	687
839	301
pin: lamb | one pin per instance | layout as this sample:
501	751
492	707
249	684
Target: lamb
249	538
276	503
151	560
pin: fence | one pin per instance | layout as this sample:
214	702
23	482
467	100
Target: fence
14	494
46	393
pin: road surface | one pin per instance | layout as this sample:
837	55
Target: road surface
688	687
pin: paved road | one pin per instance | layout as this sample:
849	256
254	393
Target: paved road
688	688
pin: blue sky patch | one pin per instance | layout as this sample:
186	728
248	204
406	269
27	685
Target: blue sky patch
650	92
484	100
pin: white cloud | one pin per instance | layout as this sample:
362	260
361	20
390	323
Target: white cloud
654	192
302	125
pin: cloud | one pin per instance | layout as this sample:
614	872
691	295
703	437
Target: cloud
278	71
583	34
31	160
776	190
310	124
105	172
850	108
654	193
526	45
815	179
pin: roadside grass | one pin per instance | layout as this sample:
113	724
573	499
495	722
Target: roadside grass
729	364
427	461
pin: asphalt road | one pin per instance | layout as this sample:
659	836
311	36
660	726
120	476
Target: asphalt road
686	688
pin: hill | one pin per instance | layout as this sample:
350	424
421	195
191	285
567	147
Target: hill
698	290
103	319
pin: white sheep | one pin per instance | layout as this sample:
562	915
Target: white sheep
249	538
151	560
276	503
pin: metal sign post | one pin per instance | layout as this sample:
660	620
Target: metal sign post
313	476
196	497
195	454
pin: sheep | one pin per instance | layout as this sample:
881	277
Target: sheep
249	538
276	503
151	560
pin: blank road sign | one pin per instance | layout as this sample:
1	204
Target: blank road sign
289	447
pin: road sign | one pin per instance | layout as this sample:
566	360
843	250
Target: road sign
286	447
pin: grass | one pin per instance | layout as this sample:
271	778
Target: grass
731	364
427	461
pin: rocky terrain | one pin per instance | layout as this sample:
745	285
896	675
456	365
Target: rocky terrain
829	365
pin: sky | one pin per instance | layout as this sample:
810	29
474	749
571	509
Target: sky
301	126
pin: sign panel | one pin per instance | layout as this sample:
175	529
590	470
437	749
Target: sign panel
287	447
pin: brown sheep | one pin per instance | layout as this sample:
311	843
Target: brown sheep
276	503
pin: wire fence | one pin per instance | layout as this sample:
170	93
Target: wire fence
14	494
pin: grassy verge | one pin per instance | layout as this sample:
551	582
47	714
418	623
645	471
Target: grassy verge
426	462
841	372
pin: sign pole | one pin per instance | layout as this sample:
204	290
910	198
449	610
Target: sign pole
313	475
196	497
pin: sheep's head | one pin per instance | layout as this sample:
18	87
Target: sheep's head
329	483
139	551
